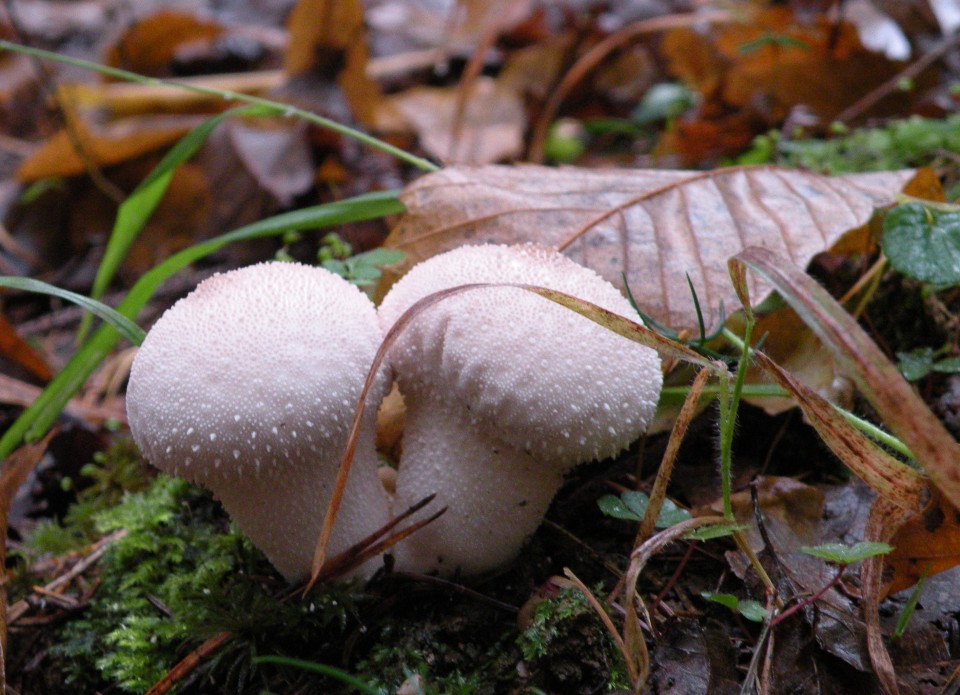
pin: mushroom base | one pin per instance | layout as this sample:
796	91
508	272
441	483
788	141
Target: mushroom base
286	519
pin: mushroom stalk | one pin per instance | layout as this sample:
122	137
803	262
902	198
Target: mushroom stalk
506	392
496	499
247	386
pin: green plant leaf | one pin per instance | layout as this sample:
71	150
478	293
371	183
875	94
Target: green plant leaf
847	554
923	243
749	609
706	533
915	364
36	419
948	365
632	505
127	328
364	268
753	610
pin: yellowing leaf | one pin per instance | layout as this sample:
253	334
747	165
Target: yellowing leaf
652	226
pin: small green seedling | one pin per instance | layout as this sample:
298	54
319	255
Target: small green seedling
631	505
363	269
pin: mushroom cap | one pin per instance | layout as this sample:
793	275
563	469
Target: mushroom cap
255	367
532	374
248	387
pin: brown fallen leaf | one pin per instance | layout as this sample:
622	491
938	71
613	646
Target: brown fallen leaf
652	226
104	145
330	38
18	350
925	545
150	46
491	128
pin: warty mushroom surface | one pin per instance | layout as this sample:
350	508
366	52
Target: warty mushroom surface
506	392
247	386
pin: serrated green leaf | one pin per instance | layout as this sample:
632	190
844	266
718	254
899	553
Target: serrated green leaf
923	243
847	554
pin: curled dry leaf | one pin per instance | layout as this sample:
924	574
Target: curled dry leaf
895	401
651	226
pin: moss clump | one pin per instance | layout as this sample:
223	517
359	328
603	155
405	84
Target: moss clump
567	648
179	576
899	144
103	483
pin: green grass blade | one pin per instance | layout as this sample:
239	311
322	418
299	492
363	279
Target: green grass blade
322	669
133	213
37	419
286	109
127	328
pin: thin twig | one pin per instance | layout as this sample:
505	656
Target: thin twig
868	100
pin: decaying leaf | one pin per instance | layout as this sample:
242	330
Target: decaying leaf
151	44
492	126
895	401
105	145
651	226
925	545
331	39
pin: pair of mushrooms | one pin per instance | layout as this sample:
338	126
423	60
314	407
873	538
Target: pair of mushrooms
249	384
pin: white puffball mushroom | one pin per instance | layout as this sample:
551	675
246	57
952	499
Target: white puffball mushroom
247	386
506	392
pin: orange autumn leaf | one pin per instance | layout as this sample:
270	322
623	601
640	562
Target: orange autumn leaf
330	38
925	545
106	145
151	44
16	349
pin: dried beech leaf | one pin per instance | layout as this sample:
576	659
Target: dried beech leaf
653	226
492	124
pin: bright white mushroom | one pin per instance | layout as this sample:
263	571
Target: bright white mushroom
247	386
506	392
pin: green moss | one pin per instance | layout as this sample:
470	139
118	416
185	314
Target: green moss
567	647
179	576
112	474
900	144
